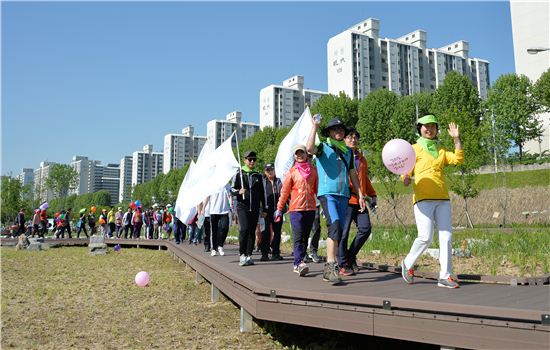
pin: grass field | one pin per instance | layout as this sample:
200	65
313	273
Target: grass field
64	298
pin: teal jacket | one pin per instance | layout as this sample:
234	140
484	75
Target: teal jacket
333	171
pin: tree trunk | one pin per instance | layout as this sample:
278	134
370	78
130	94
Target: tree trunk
468	219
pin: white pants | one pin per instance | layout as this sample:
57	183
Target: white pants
427	213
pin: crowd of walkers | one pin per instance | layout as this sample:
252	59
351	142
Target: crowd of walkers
328	179
154	223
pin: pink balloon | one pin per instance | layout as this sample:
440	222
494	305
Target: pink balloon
142	278
398	156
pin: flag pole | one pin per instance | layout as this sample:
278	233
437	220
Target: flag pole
239	159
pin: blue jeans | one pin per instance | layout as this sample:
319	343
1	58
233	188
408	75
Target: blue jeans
362	220
193	233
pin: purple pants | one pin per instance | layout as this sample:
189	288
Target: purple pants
301	223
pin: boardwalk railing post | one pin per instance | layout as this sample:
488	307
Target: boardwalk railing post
214	293
246	321
198	277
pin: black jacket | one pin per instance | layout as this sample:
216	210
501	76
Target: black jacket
254	199
272	193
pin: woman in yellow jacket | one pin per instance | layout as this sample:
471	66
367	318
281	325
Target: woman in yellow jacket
431	198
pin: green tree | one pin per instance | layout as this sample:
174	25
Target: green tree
541	91
457	100
11	200
60	179
375	114
407	111
341	106
515	108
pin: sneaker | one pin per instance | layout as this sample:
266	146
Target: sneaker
220	250
276	257
355	267
314	257
295	270
346	271
330	273
264	258
448	283
213	253
408	275
249	261
242	260
302	269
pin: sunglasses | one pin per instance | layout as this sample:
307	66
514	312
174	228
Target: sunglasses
251	159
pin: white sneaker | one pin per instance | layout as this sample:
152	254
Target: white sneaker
220	250
213	253
242	260
249	261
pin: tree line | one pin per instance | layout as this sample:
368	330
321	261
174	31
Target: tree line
489	129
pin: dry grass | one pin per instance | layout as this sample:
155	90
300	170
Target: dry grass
481	208
64	298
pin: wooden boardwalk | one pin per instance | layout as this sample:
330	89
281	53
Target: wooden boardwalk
476	316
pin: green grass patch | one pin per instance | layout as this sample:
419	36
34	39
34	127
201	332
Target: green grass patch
514	179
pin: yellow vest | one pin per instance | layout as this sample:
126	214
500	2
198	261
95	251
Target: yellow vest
429	181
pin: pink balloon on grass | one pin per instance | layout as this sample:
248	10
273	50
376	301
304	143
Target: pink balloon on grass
398	156
142	278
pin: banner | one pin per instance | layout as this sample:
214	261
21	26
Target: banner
185	215
297	135
211	173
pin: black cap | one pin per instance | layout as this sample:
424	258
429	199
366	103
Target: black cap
269	166
249	154
334	123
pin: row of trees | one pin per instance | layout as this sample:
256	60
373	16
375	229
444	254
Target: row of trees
488	130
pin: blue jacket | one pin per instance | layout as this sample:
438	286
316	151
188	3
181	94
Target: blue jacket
333	173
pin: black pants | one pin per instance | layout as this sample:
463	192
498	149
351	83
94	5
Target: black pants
314	245
206	229
247	230
220	228
112	228
362	220
179	231
130	228
80	228
266	236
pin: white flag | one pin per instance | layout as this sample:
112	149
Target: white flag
297	135
184	215
211	174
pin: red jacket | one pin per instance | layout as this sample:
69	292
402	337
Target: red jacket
302	193
364	182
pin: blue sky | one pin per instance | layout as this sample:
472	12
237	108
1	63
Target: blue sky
103	79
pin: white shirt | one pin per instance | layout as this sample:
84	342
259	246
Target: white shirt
219	202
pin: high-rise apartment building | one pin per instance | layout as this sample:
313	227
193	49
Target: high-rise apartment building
282	105
93	177
146	165
531	29
40	176
360	61
110	180
125	187
217	131
180	149
26	177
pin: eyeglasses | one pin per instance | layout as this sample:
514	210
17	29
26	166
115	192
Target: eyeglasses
251	159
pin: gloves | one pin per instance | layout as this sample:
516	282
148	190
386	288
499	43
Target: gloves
277	216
